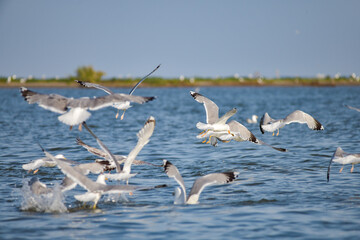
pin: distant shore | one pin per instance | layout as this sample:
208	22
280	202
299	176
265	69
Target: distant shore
191	82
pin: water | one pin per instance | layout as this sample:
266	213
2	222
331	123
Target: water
277	195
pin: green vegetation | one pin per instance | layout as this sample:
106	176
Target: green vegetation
89	74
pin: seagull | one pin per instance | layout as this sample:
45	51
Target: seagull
124	173
198	186
43	162
353	108
253	119
239	133
94	189
38	187
344	158
213	122
271	125
74	111
120	106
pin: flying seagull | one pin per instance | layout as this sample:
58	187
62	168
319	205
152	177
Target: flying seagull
213	122
120	106
75	111
199	184
271	125
239	133
344	158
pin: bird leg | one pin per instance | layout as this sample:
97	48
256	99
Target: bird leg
204	133
341	169
70	128
117	114
278	132
122	116
204	141
209	140
273	133
80	127
35	171
352	168
131	193
94	207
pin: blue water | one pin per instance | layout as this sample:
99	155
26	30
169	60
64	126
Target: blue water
277	195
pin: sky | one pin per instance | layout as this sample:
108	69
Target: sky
193	38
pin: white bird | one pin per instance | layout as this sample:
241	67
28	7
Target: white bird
213	122
198	186
94	189
74	111
239	133
253	119
43	162
120	106
343	158
271	125
124	173
38	187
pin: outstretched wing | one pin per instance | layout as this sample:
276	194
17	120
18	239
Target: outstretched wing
211	109
207	180
302	117
143	138
53	102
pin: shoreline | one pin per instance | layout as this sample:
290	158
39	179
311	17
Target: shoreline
53	84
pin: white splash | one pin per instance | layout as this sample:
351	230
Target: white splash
52	202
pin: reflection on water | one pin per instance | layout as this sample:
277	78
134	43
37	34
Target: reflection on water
277	195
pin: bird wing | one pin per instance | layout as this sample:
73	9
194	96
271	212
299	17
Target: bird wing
211	179
94	85
105	149
53	102
302	117
211	109
141	80
90	149
143	138
226	116
172	172
74	175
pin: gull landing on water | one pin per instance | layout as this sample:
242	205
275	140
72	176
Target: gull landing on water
198	186
119	106
343	158
213	122
271	125
239	133
74	111
94	189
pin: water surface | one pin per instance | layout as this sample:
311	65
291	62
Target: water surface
277	195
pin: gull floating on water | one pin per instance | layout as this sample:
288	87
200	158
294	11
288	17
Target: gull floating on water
198	186
94	189
213	122
253	119
271	125
353	108
343	158
124	173
120	106
74	111
239	133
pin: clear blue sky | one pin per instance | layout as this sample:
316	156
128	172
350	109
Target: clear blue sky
190	38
